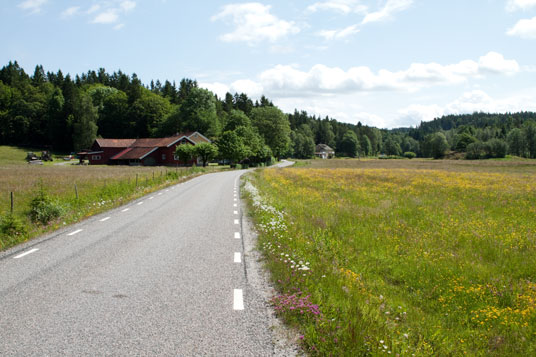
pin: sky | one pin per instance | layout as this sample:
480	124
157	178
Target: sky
385	63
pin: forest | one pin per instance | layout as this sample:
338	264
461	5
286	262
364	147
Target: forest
62	113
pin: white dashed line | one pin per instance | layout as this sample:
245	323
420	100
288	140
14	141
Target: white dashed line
26	253
126	209
234	205
159	193
235	212
235	200
75	232
151	197
237	235
140	203
236	221
105	219
237	258
238	300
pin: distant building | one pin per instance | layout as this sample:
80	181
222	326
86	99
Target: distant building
324	152
140	152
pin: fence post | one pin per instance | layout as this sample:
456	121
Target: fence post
153	175
12	203
76	191
136	180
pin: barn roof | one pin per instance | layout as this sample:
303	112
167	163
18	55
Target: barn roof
193	137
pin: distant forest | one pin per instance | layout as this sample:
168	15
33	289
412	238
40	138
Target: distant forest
66	114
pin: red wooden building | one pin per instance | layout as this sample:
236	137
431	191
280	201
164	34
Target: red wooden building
145	152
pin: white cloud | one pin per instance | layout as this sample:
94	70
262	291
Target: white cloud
110	12
342	6
109	16
127	5
217	88
525	28
289	81
70	11
338	34
495	62
250	87
93	9
254	23
514	5
34	6
391	7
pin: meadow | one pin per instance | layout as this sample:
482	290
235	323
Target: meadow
402	257
50	196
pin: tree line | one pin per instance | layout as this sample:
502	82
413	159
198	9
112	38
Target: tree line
50	109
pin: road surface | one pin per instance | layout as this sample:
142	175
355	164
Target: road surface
163	275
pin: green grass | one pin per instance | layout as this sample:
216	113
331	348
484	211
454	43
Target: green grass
406	260
99	188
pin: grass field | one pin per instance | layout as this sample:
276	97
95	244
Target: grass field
99	188
402	257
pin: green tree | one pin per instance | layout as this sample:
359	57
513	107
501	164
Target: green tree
366	146
185	153
464	139
84	123
392	147
205	151
198	113
235	119
231	147
349	145
530	138
516	142
274	127
496	148
439	145
148	111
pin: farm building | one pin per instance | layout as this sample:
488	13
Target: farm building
144	152
324	152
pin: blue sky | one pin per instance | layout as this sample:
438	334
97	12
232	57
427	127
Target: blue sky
386	63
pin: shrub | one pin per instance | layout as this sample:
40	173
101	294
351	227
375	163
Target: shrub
11	226
475	151
497	148
410	155
43	208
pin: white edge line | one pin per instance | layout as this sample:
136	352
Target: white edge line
105	219
234	205
236	221
235	212
126	209
26	253
237	258
75	232
238	299
140	203
237	235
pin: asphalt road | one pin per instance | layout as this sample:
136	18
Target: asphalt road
164	275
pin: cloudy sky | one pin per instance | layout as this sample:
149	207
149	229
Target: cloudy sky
387	63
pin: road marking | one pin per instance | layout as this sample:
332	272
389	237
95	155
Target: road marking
235	200
235	205
159	193
238	300
75	232
140	203
237	258
235	212
235	195
151	197
26	253
167	190
236	221
105	219
237	235
126	209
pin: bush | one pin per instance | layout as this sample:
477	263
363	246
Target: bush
496	148
43	208
11	226
475	151
410	155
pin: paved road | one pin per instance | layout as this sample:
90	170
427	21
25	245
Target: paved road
163	275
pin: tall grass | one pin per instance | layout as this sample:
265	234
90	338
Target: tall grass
402	261
74	192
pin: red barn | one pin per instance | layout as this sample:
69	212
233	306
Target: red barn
146	152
